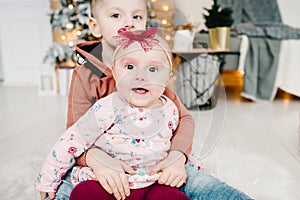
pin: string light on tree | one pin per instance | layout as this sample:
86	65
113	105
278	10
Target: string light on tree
69	21
160	15
166	8
63	37
164	22
70	6
168	37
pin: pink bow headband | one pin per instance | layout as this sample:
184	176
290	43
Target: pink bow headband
146	39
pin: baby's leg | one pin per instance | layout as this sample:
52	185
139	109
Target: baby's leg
165	192
90	190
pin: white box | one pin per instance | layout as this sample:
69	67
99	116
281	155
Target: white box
46	80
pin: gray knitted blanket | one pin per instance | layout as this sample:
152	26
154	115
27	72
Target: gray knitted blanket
261	22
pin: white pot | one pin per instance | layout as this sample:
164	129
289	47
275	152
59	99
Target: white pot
183	40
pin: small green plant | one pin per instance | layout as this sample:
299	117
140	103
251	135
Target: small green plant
218	16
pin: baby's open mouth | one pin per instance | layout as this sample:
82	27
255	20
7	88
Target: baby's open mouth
140	90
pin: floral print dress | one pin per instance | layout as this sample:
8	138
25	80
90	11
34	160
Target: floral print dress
138	136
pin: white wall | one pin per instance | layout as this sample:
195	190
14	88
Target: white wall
290	12
25	36
1	67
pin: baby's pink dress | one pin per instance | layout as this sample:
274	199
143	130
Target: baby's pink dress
138	136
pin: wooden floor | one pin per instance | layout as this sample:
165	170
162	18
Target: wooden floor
251	146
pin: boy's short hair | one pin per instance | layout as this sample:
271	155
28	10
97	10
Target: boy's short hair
92	5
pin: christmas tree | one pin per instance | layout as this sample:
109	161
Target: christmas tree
69	21
160	15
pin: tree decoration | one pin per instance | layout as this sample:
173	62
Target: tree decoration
218	16
70	20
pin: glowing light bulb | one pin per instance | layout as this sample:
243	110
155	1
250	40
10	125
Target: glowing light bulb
63	37
164	21
71	43
168	37
69	25
70	6
165	8
79	33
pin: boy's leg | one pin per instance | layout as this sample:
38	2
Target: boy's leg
200	185
90	190
165	192
64	190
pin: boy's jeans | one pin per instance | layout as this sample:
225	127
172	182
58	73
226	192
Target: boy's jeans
64	189
202	186
199	186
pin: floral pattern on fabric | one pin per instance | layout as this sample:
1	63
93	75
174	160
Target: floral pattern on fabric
139	137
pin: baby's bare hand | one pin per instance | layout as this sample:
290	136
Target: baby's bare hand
172	168
110	172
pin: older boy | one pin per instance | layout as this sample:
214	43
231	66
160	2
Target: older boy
92	81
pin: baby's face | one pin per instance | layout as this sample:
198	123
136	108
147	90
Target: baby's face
112	15
141	77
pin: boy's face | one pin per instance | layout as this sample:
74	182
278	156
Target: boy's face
111	15
141	77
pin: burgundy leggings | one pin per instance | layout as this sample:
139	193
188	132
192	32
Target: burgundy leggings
92	190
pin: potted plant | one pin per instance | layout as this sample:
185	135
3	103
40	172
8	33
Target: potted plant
218	20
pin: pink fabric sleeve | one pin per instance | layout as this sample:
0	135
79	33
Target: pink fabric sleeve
71	144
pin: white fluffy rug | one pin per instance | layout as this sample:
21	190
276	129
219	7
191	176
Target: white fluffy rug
245	172
17	179
260	177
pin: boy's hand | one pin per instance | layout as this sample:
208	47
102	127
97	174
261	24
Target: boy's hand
172	168
110	172
44	195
